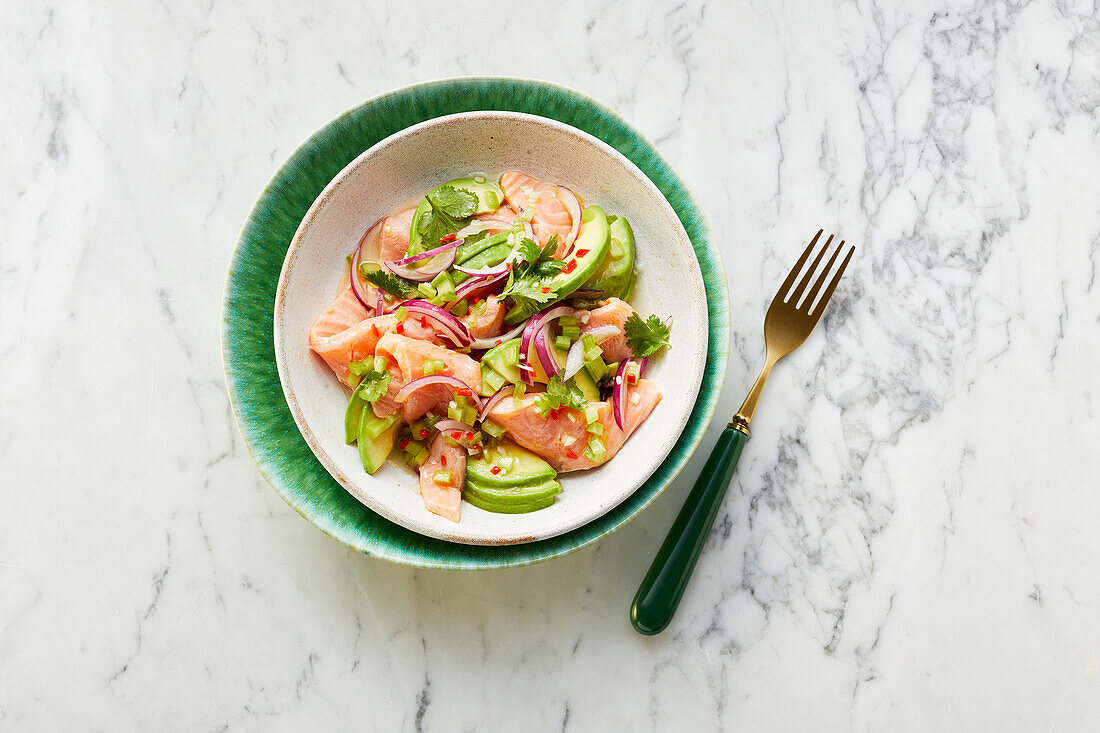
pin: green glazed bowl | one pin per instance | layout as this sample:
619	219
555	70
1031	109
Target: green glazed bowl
267	426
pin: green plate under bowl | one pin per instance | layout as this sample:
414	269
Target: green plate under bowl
265	422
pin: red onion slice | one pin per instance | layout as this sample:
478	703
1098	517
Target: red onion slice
600	334
572	204
618	396
453	244
575	360
357	285
493	401
535	326
425	273
422	382
474	284
448	323
491	341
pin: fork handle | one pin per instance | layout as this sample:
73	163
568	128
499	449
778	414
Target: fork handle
664	584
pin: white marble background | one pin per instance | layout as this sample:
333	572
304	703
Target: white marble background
911	543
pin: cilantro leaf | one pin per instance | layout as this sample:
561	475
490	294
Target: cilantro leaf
457	203
393	285
645	337
560	394
374	384
449	209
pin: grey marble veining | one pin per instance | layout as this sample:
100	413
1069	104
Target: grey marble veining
909	542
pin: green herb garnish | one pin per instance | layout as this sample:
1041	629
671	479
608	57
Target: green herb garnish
396	286
559	394
645	337
448	210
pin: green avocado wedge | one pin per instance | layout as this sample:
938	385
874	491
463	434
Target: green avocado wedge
376	439
615	276
519	495
589	251
492	255
514	504
518	467
356	404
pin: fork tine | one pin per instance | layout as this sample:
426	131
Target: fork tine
810	296
797	266
832	285
796	294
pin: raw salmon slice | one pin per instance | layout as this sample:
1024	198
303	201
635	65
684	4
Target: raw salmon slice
410	354
394	238
561	440
486	319
612	312
346	332
444	499
551	217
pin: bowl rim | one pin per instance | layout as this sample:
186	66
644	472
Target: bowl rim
243	346
354	484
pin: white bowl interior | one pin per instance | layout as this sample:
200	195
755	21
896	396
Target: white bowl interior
408	164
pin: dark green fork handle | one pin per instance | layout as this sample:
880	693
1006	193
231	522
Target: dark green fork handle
668	576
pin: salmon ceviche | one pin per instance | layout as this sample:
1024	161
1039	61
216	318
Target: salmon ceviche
487	338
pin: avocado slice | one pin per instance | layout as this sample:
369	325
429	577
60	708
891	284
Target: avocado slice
489	196
493	255
517	495
504	360
354	411
593	240
526	468
615	276
499	508
375	439
468	249
511	501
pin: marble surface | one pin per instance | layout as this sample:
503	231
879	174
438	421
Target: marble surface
910	543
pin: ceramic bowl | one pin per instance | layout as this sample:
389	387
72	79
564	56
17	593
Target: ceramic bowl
282	452
415	160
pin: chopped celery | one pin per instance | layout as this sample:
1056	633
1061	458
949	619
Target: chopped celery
426	290
358	368
492	428
595	450
443	477
567	321
562	343
444	288
591	413
595	428
571	332
469	415
588	342
381	364
433	366
461	308
401	313
597	369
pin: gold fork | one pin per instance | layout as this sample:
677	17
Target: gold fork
790	319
